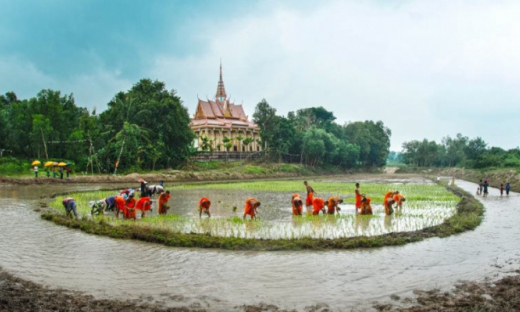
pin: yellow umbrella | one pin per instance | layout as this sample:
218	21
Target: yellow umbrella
48	164
36	163
62	164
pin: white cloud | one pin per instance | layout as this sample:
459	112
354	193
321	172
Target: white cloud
426	68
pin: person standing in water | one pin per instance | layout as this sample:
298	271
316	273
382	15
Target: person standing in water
358	197
486	185
310	196
508	188
252	205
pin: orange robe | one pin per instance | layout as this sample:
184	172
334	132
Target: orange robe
366	208
317	205
398	198
331	204
308	200
144	204
120	204
296	202
163	199
249	209
205	203
129	209
387	196
358	199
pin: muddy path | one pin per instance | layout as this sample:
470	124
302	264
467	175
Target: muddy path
41	252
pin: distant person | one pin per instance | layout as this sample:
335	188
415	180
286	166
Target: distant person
508	188
144	189
155	189
366	207
310	196
204	204
297	204
453	181
162	206
438	179
399	199
54	172
70	206
501	189
252	205
480	187
161	183
486	185
358	197
318	204
144	204
61	173
35	172
332	204
67	170
48	172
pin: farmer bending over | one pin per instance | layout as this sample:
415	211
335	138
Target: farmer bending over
252	205
399	199
97	206
144	204
318	204
366	208
70	205
332	204
130	207
297	204
163	203
204	205
388	206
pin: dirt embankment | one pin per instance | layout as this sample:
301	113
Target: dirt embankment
502	295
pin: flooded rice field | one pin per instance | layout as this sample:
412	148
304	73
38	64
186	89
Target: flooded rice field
427	205
222	280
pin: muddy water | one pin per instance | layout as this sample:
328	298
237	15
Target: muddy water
60	257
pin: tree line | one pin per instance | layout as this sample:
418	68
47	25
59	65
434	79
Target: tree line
312	136
458	151
146	127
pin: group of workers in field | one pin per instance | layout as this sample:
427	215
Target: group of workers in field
126	204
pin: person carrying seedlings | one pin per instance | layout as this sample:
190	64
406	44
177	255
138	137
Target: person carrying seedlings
252	205
97	206
163	203
310	196
366	208
204	205
297	204
508	188
144	204
501	189
70	205
358	197
318	204
399	199
332	204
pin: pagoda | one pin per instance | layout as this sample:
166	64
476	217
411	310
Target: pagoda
219	118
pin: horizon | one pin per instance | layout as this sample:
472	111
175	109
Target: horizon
411	64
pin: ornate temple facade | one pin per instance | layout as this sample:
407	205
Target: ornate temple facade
219	121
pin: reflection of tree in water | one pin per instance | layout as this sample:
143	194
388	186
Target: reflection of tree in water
363	222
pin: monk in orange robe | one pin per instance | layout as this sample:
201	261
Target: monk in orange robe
318	205
389	201
399	199
163	202
310	196
144	204
130	207
120	206
358	197
204	205
250	209
366	207
332	204
297	204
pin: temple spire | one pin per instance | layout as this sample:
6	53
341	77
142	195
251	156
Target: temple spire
221	91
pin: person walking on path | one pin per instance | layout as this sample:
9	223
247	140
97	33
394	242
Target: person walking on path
480	186
486	185
508	188
501	189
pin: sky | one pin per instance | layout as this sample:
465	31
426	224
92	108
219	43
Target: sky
427	69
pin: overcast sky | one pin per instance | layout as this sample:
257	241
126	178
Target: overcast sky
427	69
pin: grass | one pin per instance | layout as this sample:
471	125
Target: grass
181	231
